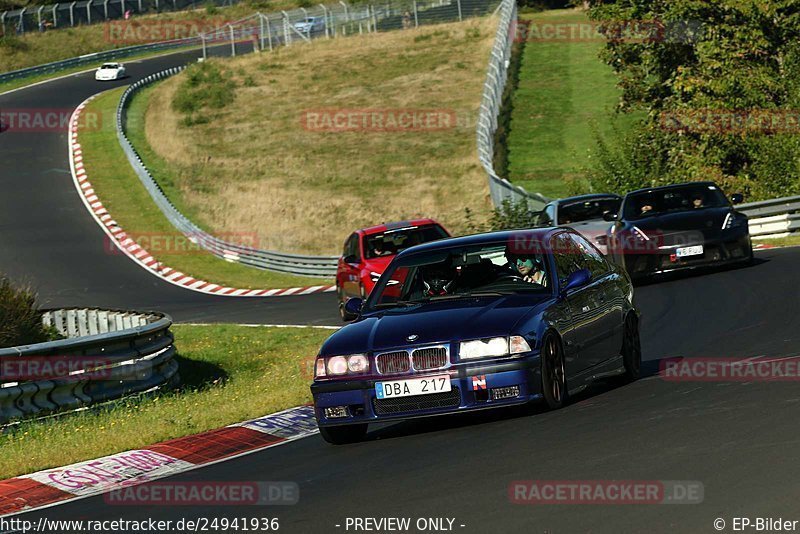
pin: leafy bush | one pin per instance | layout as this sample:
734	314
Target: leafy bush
20	320
206	86
509	216
711	64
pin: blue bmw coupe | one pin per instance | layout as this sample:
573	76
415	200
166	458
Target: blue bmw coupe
477	322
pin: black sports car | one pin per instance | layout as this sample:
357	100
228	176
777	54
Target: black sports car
675	227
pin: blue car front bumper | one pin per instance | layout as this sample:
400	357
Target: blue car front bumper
473	387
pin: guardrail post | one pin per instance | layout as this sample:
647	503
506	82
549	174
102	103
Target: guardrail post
140	7
122	8
89	11
374	18
233	42
3	21
22	20
459	10
105	8
287	38
157	7
203	39
325	16
55	16
269	33
39	15
416	18
72	13
261	30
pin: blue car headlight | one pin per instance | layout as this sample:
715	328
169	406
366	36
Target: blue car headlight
341	365
492	347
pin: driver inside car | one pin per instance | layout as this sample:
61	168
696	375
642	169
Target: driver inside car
531	269
438	281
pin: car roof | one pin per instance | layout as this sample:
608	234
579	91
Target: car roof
381	228
485	238
671	186
592	196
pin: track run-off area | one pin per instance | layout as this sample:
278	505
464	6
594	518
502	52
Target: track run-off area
738	439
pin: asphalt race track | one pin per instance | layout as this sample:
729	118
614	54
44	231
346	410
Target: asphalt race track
49	240
740	440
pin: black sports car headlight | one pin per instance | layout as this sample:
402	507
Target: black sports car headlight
734	220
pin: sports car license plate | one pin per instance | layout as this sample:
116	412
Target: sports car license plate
413	386
689	251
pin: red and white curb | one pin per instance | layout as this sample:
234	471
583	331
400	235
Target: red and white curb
52	487
138	254
763	246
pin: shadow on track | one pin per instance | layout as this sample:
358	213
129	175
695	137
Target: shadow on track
695	273
532	409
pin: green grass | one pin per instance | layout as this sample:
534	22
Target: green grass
229	374
130	204
564	92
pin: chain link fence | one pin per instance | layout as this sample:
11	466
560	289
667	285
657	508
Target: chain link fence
267	31
501	190
69	14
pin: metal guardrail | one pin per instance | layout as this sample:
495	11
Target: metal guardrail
263	259
117	353
98	57
777	217
501	190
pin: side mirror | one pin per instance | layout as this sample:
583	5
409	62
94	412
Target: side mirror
350	259
609	216
737	198
352	309
576	280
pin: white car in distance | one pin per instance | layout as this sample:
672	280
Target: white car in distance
110	71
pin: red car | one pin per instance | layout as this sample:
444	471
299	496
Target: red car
367	253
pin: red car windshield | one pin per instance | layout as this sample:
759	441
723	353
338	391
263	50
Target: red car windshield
391	242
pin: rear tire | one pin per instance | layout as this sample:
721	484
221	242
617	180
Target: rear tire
631	349
340	435
554	379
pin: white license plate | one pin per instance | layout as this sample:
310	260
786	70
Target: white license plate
689	251
412	386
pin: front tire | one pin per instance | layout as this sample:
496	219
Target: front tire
340	435
632	349
554	379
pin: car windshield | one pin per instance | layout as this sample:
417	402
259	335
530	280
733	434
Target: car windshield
587	210
675	199
109	66
482	270
391	242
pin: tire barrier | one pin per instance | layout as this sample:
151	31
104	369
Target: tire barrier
106	355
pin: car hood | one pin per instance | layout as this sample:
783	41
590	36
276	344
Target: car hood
378	264
435	322
591	229
705	220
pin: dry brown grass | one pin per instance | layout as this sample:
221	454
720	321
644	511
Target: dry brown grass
255	167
